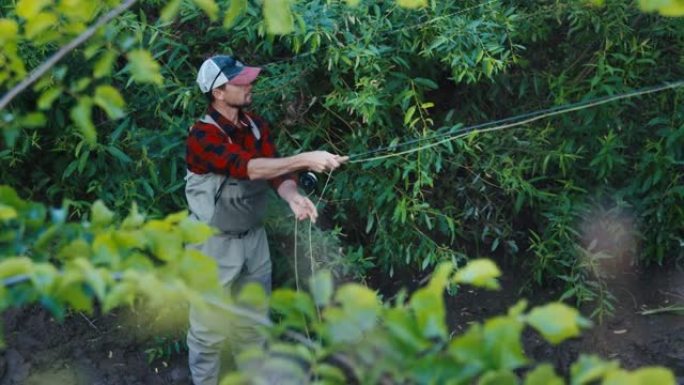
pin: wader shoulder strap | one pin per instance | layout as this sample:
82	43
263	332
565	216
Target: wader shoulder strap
257	134
220	190
255	128
208	119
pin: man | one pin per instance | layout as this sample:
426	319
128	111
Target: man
231	160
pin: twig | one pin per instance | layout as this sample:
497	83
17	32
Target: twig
667	309
672	294
89	321
57	56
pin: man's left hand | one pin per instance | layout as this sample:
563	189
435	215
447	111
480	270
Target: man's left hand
302	207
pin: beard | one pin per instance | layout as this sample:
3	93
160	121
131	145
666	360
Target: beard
240	105
246	102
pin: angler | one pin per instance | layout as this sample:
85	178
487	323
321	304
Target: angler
231	161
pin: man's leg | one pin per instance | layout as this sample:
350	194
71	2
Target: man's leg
208	326
258	270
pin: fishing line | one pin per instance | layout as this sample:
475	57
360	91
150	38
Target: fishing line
449	136
501	124
311	258
296	265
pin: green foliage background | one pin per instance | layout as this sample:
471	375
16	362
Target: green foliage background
108	123
353	78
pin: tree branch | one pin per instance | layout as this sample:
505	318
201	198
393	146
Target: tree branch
57	56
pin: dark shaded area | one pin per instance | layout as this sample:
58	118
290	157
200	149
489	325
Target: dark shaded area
82	350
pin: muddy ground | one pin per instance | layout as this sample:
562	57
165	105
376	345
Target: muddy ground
108	350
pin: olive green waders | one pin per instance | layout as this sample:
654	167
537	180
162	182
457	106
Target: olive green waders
236	208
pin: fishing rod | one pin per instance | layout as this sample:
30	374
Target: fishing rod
308	180
521	119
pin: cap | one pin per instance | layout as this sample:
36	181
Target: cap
219	70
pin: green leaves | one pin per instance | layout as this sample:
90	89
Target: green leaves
557	322
499	378
48	97
357	314
209	7
297	308
278	17
8	30
170	10
110	100
664	7
75	264
543	375
412	4
7	213
81	115
40	23
235	10
410	343
480	273
321	287
100	215
79	10
14	267
194	231
134	219
143	67
103	66
643	376
591	368
502	340
28	9
428	304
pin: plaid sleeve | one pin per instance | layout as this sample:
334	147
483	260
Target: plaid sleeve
210	151
269	150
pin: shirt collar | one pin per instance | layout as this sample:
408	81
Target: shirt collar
226	125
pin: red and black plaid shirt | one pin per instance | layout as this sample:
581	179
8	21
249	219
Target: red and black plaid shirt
227	150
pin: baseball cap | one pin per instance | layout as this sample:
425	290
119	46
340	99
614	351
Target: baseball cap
221	69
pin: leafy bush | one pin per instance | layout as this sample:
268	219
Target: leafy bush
356	339
62	264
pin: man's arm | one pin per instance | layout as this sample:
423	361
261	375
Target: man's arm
269	168
301	206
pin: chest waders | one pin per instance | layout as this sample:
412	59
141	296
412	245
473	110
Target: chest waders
236	208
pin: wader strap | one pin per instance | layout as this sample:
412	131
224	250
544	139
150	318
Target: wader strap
257	134
255	128
220	190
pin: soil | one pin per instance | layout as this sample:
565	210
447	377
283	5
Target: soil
102	350
107	350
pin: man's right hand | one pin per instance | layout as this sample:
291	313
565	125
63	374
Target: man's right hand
321	161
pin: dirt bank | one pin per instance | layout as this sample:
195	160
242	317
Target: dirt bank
101	350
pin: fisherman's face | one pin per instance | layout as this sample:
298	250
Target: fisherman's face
234	95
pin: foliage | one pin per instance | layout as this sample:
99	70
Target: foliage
107	123
164	347
351	79
62	264
359	340
665	7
